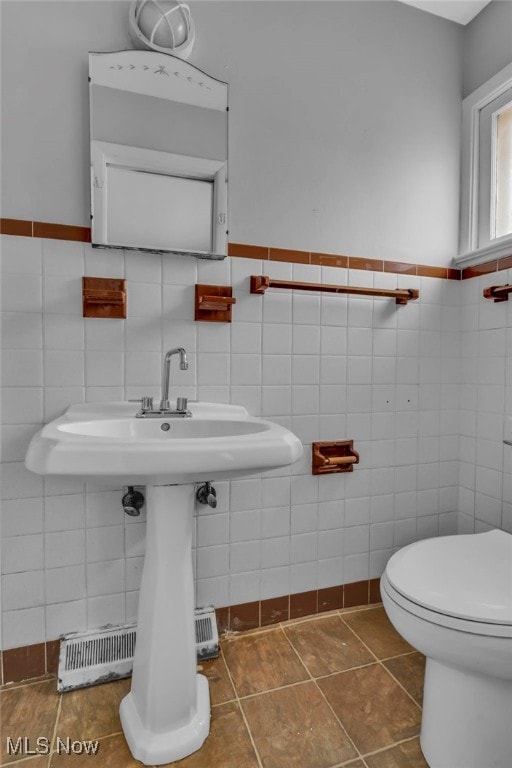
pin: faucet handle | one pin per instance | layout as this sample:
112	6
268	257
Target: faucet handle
181	403
146	403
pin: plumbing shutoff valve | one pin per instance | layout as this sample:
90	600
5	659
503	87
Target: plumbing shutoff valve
206	494
132	501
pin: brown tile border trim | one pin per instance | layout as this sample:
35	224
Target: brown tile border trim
262	613
244	250
30	661
24	228
44	229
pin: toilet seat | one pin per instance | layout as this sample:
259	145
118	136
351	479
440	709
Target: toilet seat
461	582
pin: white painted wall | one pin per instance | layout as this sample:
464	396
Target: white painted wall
344	121
487	44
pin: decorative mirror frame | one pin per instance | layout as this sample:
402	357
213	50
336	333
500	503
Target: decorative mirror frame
166	77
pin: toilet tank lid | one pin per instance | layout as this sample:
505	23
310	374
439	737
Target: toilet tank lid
467	576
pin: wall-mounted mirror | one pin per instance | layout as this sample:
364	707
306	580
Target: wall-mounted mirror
158	155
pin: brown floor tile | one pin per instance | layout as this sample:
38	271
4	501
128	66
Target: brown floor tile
227	746
219	683
91	713
262	661
372	707
295	727
375	629
27	712
112	752
410	672
406	755
326	645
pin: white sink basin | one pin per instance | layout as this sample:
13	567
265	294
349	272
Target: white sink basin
106	440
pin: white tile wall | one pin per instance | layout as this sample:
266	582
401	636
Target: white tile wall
485	490
326	366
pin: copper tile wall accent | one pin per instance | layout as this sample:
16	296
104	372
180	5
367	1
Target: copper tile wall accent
425	271
303	604
283	254
52	656
374	596
277	609
274	610
29	661
355	594
505	263
248	251
244	616
329	260
400	267
480	269
16	227
24	663
330	598
372	265
341	260
25	228
61	231
222	617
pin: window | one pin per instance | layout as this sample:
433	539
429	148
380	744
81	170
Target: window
502	163
486	193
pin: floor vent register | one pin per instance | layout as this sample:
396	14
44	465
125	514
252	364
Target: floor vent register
89	658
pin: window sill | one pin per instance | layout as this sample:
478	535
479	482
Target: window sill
496	250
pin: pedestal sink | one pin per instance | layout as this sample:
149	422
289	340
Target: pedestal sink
166	715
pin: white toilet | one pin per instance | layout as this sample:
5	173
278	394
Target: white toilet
451	598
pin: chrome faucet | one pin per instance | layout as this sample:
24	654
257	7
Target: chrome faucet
166	371
147	410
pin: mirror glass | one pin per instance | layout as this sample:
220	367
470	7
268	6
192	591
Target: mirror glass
158	155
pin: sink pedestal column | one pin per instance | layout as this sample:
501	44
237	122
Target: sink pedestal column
166	715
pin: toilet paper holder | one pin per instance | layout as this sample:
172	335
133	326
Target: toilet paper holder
329	457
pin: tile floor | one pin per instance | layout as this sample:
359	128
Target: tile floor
337	689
